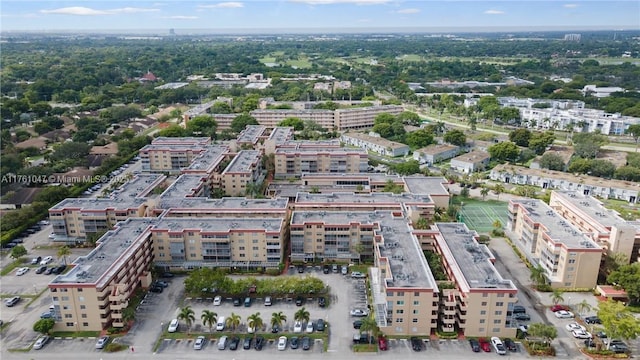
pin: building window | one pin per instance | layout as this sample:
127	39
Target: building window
65	298
69	324
482	321
79	289
400	293
85	324
82	307
499	303
497	321
400	302
416	303
399	320
415	320
399	311
484	303
498	312
416	294
81	298
485	295
415	312
501	295
68	316
496	330
84	316
483	312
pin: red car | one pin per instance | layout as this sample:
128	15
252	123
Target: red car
382	344
555	308
484	345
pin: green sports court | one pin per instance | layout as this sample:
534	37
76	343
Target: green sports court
480	215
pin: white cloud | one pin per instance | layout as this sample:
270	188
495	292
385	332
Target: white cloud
85	11
408	11
181	17
364	20
570	6
494	12
330	2
223	5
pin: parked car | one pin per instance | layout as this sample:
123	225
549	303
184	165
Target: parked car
247	302
267	301
46	260
59	269
12	301
237	302
359	312
326	269
510	345
320	325
102	342
173	325
416	344
574	326
475	345
41	269
300	269
358	275
275	329
601	334
581	334
46	315
590	343
344	270
484	345
299	301
383	344
517	309
618	347
334	268
21	271
222	342
357	324
322	302
294	343
555	308
41	342
246	344
522	317
563	314
156	289
49	271
297	327
306	343
161	283
592	320
310	328
259	343
217	301
233	344
282	343
36	260
498	345
199	343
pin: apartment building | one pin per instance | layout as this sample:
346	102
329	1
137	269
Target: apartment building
361	118
471	162
245	168
272	117
171	155
295	161
602	225
480	302
376	144
93	293
436	153
580	120
566	254
278	136
73	219
251	135
550	179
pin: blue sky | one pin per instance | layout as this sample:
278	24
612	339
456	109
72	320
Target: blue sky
30	15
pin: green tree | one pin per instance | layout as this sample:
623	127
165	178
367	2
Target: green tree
583	307
587	145
44	326
407	168
18	252
209	318
484	192
634	131
173	130
302	315
241	121
504	151
277	318
520	137
540	330
202	125
618	321
75	151
629	173
409	118
556	296
627	277
498	189
369	326
540	141
579	165
419	139
293	122
63	252
233	321
538	275
552	161
422	224
255	321
455	137
188	316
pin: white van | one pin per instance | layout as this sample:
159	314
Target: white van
220	325
222	342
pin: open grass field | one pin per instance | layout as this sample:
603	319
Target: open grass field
410	57
480	215
301	63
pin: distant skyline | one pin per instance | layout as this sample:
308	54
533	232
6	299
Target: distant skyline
342	15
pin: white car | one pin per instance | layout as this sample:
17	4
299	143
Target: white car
217	301
575	326
297	327
267	301
563	314
46	260
102	342
173	325
309	328
282	343
498	345
42	341
581	334
52	236
22	271
199	343
359	312
251	329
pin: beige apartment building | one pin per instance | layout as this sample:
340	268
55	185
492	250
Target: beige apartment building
360	118
92	295
272	117
376	144
244	169
602	225
293	162
568	256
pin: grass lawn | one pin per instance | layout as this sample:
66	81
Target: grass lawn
337	60
268	59
410	57
303	63
627	211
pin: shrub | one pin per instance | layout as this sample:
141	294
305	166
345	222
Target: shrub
115	347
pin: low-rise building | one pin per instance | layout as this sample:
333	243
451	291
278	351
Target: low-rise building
298	160
566	254
376	144
436	153
244	169
471	162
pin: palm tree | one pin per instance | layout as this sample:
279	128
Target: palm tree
255	321
484	192
556	296
583	307
497	225
277	318
369	325
233	321
302	315
63	252
188	315
538	275
498	189
209	318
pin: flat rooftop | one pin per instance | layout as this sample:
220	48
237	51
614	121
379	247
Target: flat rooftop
163	140
251	134
184	186
437	149
199	109
431	185
321	150
473	157
219	225
209	158
113	249
226	205
592	207
243	161
558	229
311	144
375	140
470	259
280	134
370	198
172	147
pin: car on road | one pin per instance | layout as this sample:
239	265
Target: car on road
41	269
297	327
498	345
217	301
510	345
246	343
294	343
173	326
358	275
306	343
416	344
522	316
320	324
12	301
581	334
46	260
574	326
233	344
484	345
21	271
102	342
475	345
41	342
309	329
359	312
563	314
199	343
592	320
555	308
383	344
282	343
